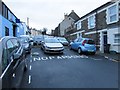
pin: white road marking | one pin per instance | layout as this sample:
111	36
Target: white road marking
64	57
30	67
106	57
13	75
29	79
113	60
35	53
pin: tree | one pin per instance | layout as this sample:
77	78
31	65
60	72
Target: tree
44	31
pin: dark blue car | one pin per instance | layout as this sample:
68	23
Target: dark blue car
83	45
12	63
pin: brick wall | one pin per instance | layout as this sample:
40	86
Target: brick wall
101	20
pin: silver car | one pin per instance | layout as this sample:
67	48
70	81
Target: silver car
63	41
52	45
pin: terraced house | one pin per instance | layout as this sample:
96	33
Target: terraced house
10	25
101	24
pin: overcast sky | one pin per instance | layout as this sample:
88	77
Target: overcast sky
49	13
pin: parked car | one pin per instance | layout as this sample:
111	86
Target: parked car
26	43
31	41
12	62
63	41
52	45
29	38
83	45
37	40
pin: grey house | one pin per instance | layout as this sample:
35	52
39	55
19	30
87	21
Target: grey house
67	22
101	24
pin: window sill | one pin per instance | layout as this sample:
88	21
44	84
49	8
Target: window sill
108	22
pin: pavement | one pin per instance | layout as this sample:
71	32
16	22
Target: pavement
111	56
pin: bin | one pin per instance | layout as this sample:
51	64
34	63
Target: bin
106	48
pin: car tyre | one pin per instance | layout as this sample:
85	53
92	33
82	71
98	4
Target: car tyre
25	68
79	51
93	53
70	47
41	48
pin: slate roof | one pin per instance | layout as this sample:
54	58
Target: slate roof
74	16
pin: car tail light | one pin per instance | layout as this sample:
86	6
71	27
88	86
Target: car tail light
84	42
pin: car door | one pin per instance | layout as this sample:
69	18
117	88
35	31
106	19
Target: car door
11	64
73	45
19	63
77	43
7	61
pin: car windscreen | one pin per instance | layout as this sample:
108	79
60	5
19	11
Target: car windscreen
62	39
90	42
51	40
23	40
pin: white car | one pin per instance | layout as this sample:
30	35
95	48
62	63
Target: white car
37	40
63	41
52	45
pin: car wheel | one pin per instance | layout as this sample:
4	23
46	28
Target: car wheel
29	52
25	68
79	51
44	51
70	47
41	48
93	53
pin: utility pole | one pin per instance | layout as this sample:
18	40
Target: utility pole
28	26
28	22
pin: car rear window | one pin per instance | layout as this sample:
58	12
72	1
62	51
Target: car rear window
90	42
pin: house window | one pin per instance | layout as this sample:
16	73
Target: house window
91	22
4	11
112	14
6	31
78	25
117	38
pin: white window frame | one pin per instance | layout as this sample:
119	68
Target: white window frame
89	24
78	25
108	16
116	38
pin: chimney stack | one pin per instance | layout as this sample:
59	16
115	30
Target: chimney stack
65	15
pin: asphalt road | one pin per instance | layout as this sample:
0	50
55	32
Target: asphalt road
69	70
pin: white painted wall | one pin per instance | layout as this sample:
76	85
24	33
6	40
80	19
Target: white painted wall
110	34
8	24
114	46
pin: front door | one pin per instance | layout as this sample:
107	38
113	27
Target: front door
104	38
105	42
14	30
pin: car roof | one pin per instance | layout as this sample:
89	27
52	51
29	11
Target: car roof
50	38
86	38
24	36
